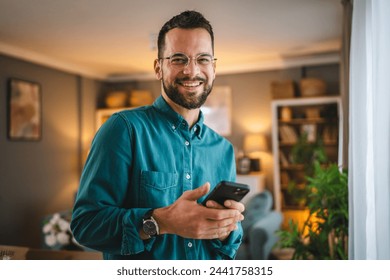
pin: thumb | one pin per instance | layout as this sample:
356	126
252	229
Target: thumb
198	192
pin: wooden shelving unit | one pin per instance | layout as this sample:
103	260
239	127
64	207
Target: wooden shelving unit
319	117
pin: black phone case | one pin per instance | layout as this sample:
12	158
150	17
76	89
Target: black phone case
227	190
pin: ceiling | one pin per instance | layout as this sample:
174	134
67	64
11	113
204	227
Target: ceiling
115	39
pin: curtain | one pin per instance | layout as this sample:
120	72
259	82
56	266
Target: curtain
369	121
344	74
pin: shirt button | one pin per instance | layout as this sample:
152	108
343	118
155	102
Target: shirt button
173	127
186	143
188	176
195	129
189	244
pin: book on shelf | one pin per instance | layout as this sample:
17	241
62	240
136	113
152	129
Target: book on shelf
283	159
288	134
311	132
330	134
284	178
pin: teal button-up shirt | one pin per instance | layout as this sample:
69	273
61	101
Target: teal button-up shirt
142	159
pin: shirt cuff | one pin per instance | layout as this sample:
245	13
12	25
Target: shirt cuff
131	241
227	249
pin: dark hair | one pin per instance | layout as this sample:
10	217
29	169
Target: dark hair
185	20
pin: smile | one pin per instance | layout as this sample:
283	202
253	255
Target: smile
191	84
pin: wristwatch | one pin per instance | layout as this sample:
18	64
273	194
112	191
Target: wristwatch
149	224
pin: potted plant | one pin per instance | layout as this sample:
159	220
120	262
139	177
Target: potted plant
324	234
303	156
57	232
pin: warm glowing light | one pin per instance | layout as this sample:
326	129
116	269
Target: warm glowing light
255	143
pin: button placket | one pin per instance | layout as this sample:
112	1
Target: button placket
187	158
190	248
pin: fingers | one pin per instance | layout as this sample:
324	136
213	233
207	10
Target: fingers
221	214
197	193
192	220
219	232
231	204
222	221
226	223
218	227
213	204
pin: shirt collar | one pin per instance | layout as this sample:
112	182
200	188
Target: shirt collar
198	127
175	119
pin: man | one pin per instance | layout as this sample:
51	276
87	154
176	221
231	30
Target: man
149	168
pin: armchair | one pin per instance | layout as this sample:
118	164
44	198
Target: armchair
259	227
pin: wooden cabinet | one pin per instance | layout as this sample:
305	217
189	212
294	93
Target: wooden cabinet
320	120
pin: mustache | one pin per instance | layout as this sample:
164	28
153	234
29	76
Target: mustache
187	79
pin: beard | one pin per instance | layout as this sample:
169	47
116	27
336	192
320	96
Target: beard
191	100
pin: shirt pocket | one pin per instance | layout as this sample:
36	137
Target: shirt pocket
159	189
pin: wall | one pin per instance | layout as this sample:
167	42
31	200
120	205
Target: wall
38	178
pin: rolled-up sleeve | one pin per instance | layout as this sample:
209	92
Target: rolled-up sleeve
227	249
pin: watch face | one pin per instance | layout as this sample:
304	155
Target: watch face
149	228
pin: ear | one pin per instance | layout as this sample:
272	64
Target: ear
214	67
157	69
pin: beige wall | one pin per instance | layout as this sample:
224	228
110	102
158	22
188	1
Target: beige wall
39	178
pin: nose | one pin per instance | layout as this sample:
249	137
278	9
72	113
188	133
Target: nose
192	68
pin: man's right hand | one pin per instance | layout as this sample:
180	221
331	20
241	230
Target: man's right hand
186	218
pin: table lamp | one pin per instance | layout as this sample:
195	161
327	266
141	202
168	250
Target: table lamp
254	145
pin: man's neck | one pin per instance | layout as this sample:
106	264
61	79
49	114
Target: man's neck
190	115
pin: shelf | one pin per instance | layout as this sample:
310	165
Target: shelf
298	186
294	207
300	121
291	144
321	119
293	167
296	167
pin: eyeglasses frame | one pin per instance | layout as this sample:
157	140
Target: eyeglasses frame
189	59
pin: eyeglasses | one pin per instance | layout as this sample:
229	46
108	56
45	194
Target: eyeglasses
181	60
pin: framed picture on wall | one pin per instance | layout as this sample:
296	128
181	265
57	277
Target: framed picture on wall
24	110
217	110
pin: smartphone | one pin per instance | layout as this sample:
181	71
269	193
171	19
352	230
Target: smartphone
227	190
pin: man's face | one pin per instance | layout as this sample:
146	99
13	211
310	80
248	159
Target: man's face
187	86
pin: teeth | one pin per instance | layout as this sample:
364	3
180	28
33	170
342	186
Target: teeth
193	84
